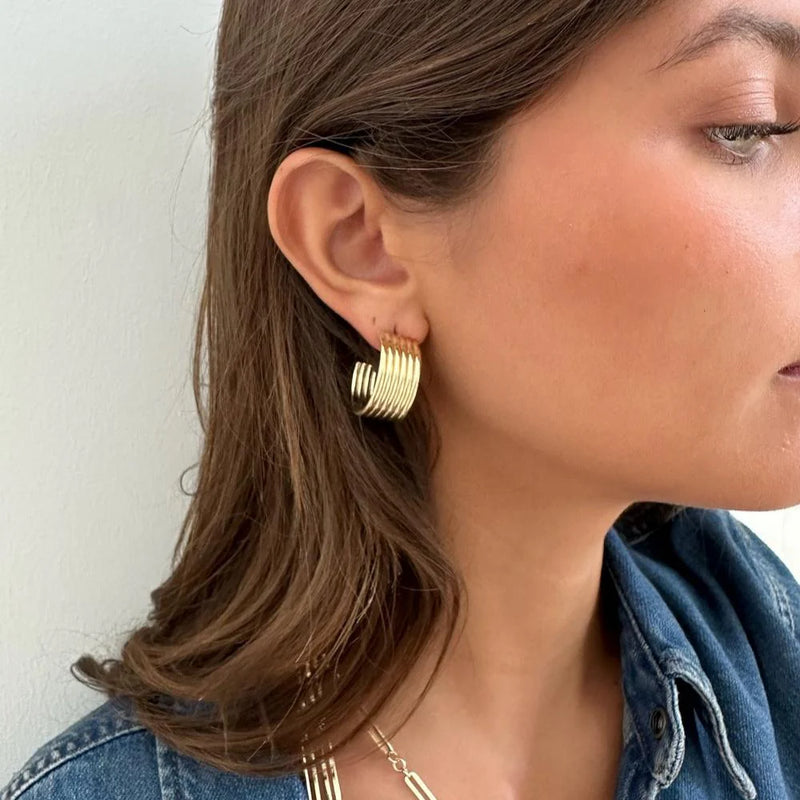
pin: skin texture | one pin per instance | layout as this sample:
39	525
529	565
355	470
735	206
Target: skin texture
604	325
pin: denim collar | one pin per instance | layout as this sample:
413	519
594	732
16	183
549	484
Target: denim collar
657	656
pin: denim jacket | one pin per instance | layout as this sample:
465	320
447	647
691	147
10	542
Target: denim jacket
710	644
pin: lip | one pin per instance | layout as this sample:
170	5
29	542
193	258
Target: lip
792	370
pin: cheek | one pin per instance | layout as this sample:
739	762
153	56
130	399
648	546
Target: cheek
632	314
641	285
621	288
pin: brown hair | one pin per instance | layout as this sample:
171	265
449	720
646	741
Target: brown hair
309	537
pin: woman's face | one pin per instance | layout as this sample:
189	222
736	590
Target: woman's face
622	297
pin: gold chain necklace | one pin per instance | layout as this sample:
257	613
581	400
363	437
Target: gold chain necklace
412	780
321	776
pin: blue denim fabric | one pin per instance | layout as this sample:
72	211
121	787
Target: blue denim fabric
709	626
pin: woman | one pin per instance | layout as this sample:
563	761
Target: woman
564	235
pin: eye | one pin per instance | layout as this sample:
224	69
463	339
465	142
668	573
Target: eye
746	136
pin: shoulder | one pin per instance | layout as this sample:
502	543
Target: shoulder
108	755
708	549
724	617
94	757
777	577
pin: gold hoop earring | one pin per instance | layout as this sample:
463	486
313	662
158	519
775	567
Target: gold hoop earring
389	392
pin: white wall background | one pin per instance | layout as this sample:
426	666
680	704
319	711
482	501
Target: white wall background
103	180
103	170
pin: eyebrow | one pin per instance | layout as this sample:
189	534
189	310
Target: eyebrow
737	24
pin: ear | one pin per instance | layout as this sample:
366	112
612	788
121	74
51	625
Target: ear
332	223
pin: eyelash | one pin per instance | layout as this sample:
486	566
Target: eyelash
732	133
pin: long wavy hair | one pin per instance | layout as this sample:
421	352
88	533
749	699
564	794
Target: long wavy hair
309	537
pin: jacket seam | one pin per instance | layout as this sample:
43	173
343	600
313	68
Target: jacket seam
645	648
37	776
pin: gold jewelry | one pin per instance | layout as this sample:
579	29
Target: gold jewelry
412	780
321	783
389	392
328	788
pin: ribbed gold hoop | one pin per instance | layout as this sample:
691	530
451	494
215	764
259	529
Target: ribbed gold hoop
389	392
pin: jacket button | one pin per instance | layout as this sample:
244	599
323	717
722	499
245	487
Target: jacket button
658	722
